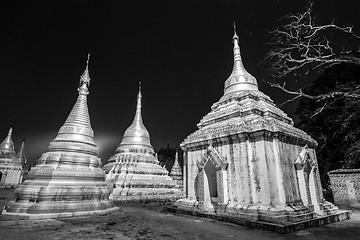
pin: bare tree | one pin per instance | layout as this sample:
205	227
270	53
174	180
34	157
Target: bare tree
302	48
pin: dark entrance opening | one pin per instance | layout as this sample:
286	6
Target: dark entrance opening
210	172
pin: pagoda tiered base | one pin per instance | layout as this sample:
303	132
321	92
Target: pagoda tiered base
139	178
285	220
43	198
144	187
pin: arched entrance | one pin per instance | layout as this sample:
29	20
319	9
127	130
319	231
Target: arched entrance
212	179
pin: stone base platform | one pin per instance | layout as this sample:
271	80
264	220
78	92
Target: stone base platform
274	227
146	198
26	216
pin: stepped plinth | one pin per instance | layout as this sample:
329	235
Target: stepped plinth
134	172
67	180
247	163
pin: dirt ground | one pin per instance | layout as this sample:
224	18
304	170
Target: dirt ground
150	221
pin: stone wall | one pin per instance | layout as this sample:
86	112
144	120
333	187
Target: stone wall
345	184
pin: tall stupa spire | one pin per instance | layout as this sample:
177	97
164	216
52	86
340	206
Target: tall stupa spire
134	170
8	145
21	155
136	136
239	78
77	126
67	180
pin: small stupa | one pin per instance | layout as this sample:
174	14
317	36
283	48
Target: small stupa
176	173
134	172
248	164
67	180
11	169
23	160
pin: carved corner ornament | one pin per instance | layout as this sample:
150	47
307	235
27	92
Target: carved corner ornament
303	158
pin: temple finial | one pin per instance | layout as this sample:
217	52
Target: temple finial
235	35
138	104
10	131
85	79
87	62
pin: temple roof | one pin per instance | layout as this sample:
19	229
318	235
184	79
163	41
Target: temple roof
239	78
136	137
76	135
7	146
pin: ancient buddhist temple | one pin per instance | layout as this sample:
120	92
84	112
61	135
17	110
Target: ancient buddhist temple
176	173
67	180
134	172
11	168
247	163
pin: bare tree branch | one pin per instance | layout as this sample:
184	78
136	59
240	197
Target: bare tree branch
355	93
319	110
301	47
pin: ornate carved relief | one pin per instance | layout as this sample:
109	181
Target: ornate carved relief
303	158
214	156
220	164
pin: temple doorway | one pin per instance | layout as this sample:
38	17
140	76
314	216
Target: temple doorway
210	172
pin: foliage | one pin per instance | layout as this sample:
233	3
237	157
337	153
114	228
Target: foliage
166	156
337	127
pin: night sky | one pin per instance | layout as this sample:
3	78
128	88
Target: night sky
181	52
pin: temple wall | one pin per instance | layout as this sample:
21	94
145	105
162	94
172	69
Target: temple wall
260	171
273	171
289	153
345	184
193	158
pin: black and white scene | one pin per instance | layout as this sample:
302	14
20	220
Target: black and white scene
180	120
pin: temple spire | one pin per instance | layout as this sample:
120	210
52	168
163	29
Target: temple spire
8	145
77	127
138	105
176	169
238	64
85	79
136	136
21	155
239	78
235	37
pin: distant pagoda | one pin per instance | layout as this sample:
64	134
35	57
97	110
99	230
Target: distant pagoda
134	171
22	159
67	180
247	161
176	173
11	168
